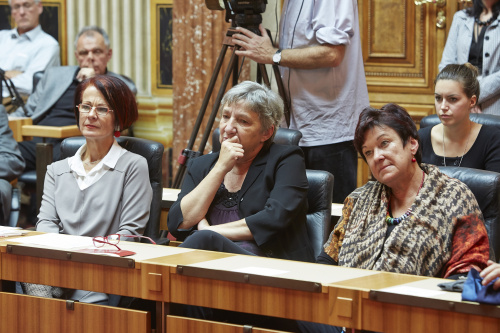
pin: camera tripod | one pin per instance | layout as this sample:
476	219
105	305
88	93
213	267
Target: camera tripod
188	153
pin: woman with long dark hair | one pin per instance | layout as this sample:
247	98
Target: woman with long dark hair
474	37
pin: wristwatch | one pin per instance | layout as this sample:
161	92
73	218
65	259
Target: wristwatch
277	57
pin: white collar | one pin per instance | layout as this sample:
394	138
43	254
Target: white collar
76	164
30	35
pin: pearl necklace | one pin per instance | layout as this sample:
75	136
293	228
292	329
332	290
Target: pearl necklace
465	149
395	221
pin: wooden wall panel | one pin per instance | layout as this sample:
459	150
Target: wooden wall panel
395	36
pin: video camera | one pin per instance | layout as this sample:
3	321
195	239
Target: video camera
242	13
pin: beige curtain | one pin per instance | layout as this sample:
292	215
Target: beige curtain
198	34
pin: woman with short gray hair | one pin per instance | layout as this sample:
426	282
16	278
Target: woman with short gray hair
251	197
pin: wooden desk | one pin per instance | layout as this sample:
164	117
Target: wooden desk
16	125
58	132
362	299
143	280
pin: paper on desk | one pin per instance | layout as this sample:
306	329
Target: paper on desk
412	291
10	231
260	271
58	241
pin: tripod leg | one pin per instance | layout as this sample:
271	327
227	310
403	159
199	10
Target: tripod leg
263	73
183	158
220	94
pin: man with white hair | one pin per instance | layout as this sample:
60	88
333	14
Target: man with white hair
52	102
26	49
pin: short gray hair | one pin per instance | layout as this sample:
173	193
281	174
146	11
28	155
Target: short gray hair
90	30
259	99
35	1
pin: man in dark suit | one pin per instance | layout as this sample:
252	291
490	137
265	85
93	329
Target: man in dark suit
51	104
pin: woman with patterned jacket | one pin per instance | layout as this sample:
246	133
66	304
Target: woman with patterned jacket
413	219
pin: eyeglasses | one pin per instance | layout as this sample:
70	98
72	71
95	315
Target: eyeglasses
99	110
96	52
114	239
25	5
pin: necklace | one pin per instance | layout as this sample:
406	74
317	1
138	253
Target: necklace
465	149
486	23
395	221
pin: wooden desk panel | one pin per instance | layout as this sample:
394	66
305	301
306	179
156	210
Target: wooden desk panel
393	318
182	324
72	275
21	313
58	132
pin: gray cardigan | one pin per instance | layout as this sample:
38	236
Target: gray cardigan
119	202
457	51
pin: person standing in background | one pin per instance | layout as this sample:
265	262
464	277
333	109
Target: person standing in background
26	49
474	37
322	69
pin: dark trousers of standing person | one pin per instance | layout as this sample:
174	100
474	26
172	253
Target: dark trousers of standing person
341	160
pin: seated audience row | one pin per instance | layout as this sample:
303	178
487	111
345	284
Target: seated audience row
251	197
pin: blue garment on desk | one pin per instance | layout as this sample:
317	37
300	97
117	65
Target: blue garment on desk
474	291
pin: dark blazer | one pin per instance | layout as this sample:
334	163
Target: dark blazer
272	199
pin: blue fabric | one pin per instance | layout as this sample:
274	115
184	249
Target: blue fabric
474	291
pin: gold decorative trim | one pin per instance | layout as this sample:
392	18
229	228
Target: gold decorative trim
156	87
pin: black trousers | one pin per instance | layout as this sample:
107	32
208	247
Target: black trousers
212	241
341	160
28	151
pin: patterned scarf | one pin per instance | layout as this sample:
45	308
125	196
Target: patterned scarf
420	245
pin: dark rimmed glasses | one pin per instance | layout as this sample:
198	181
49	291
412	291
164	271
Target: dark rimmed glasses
99	110
114	239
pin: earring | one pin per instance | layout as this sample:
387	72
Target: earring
413	159
117	132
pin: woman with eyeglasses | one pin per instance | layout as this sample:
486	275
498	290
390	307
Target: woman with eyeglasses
103	189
